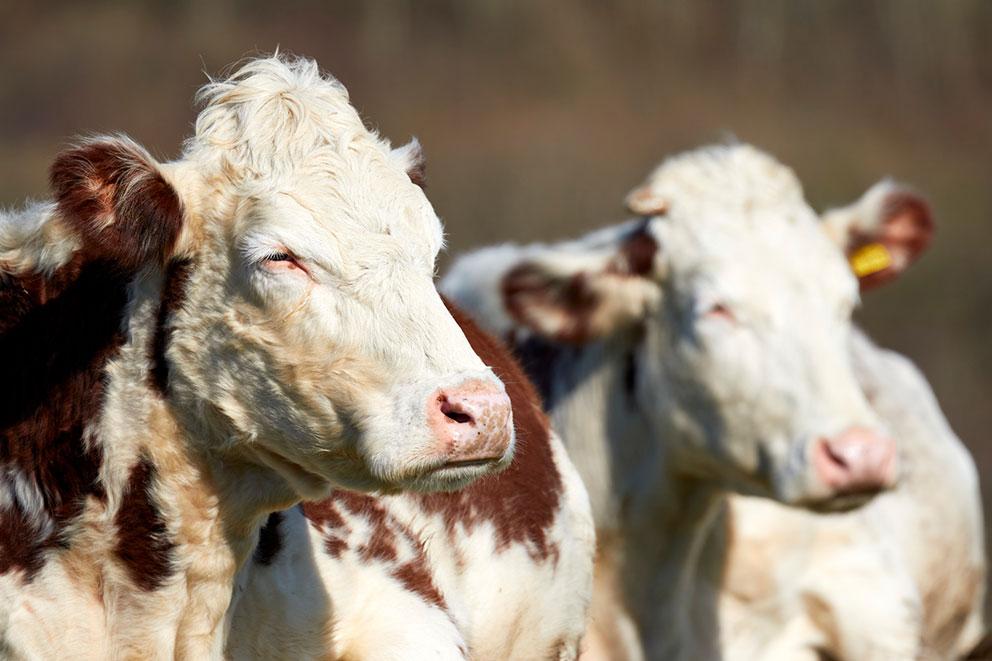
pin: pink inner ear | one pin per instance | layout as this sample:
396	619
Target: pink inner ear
906	232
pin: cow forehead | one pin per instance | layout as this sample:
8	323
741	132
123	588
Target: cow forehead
738	221
315	215
278	129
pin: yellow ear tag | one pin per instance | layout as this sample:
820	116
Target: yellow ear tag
869	259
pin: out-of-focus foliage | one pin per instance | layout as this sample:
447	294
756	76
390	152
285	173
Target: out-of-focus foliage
538	115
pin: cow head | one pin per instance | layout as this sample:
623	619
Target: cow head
731	310
287	262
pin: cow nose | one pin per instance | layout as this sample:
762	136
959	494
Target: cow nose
856	461
473	422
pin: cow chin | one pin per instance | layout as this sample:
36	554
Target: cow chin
806	491
452	476
305	483
427	470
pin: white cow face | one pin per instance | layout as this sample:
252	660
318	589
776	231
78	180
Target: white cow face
736	308
302	322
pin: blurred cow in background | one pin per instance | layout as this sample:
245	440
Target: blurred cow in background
706	348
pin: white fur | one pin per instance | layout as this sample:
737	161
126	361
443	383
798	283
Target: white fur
31	240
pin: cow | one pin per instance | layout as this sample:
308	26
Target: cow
189	346
499	570
699	349
904	576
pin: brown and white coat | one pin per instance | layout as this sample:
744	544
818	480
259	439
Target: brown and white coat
190	346
499	570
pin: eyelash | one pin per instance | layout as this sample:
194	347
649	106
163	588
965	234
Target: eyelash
282	261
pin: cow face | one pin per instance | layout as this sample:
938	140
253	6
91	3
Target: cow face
299	325
733	308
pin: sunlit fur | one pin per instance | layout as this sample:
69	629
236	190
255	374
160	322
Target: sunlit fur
279	383
500	602
736	362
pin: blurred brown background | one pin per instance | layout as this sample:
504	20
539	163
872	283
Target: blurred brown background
539	115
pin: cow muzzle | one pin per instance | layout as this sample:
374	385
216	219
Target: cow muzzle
472	423
857	461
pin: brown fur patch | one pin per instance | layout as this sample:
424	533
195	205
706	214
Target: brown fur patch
143	543
382	544
112	193
522	501
56	336
173	293
325	515
416	577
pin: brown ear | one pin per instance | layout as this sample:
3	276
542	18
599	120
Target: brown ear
111	191
575	298
882	233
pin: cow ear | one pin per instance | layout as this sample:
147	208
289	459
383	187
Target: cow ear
575	297
113	194
882	233
645	201
411	158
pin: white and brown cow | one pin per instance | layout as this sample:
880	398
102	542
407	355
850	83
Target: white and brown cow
902	577
190	346
499	570
699	350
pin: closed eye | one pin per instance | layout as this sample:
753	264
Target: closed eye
719	311
282	262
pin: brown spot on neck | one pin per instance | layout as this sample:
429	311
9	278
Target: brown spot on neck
143	543
522	501
56	336
173	294
382	544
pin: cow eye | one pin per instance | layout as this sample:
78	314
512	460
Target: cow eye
281	261
719	311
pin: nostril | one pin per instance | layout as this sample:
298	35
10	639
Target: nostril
454	412
834	456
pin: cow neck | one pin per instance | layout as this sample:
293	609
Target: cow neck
651	520
665	567
205	507
150	525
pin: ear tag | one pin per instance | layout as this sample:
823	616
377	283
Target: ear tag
869	259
